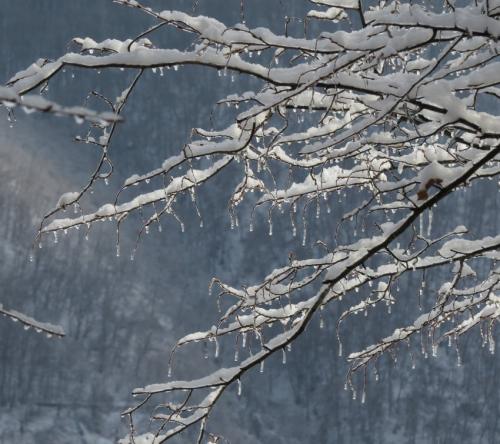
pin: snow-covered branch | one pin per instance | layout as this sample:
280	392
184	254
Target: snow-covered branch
387	118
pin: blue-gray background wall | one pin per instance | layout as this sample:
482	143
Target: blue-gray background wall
122	317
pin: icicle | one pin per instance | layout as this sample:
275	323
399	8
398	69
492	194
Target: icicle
117	250
261	369
239	387
270	227
434	350
169	372
236	354
244	339
491	341
429	226
304	236
216	353
340	348
363	396
283	361
321	323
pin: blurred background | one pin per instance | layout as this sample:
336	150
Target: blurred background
122	317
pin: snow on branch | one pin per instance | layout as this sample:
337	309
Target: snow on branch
29	322
31	102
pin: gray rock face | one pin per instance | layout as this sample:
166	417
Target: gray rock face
122	317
